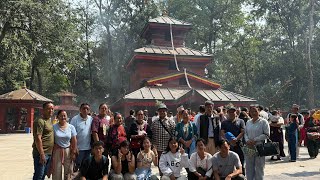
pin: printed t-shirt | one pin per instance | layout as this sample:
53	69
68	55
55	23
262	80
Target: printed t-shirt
101	126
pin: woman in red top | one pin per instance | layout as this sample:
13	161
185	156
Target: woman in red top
100	124
116	133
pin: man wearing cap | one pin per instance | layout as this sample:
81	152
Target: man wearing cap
162	128
234	126
209	127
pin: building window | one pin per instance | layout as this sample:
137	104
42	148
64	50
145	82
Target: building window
182	81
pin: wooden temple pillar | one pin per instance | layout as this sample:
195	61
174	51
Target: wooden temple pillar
3	118
30	117
18	122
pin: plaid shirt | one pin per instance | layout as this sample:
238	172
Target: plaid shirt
160	136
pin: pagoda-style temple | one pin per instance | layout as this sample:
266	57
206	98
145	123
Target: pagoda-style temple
165	70
18	108
66	103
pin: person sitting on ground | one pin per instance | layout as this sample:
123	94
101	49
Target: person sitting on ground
226	164
200	164
144	159
123	163
235	127
97	165
172	160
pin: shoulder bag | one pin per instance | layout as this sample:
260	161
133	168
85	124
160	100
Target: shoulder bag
268	149
170	133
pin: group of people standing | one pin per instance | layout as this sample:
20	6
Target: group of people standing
210	146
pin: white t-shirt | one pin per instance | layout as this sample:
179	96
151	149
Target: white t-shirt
173	163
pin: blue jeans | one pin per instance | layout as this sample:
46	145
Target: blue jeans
292	145
143	173
40	170
83	155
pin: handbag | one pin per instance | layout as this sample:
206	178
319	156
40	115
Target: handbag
268	149
201	171
249	151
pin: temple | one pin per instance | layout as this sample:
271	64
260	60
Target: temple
167	71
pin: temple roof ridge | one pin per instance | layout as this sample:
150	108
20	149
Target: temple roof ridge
169	20
175	75
165	50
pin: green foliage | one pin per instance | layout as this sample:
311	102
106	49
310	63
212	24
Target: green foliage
259	47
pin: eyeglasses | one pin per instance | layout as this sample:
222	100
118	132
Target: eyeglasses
139	114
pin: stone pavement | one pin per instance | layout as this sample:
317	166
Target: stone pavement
16	162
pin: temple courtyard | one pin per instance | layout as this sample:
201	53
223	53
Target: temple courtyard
16	161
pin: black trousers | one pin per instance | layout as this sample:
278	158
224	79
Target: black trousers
237	149
313	147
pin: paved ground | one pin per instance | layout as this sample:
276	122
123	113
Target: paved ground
16	162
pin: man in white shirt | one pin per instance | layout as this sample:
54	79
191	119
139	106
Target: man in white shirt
82	123
202	110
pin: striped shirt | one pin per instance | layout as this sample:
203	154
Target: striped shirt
160	136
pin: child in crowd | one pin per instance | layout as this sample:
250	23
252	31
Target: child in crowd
292	136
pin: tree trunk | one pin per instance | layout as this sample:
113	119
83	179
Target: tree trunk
33	67
309	63
4	30
39	80
88	50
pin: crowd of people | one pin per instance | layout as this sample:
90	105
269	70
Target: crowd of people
213	144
